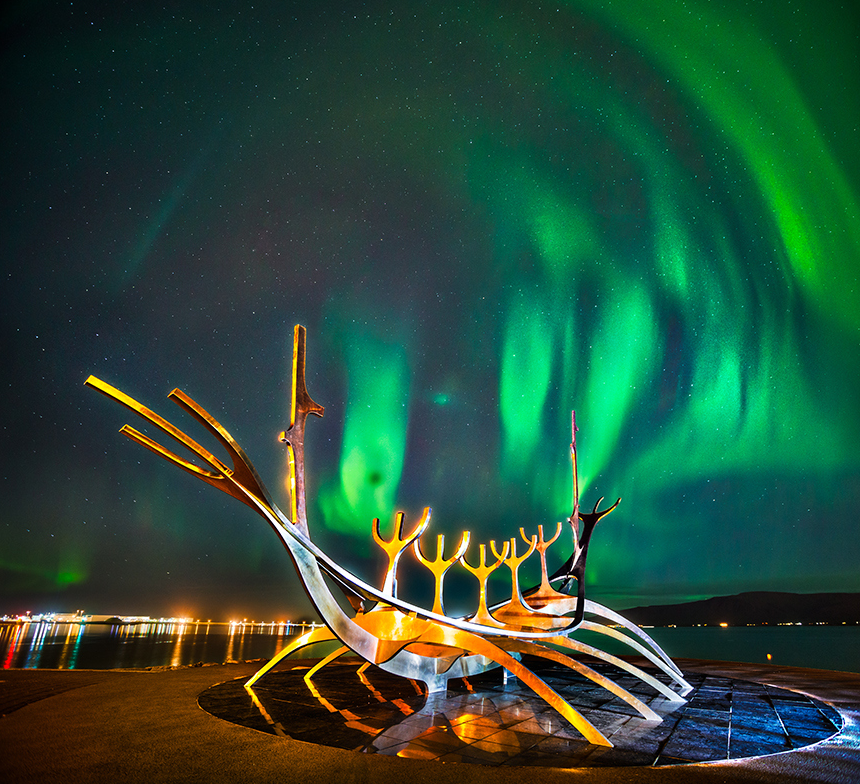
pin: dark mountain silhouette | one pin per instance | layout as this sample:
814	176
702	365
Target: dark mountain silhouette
756	607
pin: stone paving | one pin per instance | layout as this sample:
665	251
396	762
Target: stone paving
487	721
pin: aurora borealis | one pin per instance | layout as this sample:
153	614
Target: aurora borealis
486	214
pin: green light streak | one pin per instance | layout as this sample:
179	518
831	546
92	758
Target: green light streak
70	570
374	436
170	203
622	360
758	106
526	366
562	232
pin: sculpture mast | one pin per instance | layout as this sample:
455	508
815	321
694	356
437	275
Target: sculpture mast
301	405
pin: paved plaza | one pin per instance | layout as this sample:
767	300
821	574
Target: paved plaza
743	723
492	720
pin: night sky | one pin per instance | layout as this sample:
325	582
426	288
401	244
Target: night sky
486	214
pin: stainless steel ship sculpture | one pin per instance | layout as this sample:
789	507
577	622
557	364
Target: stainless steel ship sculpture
398	636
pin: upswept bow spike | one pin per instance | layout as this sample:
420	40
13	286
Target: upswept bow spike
243	472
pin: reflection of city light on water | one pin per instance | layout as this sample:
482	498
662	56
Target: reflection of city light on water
173	642
231	640
13	646
35	653
71	646
176	661
121	634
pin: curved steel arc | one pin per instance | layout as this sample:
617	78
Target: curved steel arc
563	605
495	651
330	566
656	654
604	612
608	631
283	526
402	638
583	669
335	654
581	647
320	634
669	667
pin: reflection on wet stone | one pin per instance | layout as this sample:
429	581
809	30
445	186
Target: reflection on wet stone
489	722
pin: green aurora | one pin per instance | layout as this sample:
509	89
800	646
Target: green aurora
487	215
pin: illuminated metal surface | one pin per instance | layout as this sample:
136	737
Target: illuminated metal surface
395	635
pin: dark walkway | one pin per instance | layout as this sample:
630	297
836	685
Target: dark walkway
147	727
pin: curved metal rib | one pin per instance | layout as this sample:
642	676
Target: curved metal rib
321	634
594	676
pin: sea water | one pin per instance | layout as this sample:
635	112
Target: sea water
89	646
819	647
99	647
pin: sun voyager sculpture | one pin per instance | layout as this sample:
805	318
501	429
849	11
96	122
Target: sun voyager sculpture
402	638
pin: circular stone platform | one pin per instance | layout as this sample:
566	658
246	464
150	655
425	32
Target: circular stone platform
484	720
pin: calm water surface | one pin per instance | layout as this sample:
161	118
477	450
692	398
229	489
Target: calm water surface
820	647
71	646
78	646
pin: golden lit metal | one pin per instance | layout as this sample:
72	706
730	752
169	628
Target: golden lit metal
394	548
440	565
483	571
402	638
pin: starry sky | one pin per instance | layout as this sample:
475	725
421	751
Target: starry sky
486	214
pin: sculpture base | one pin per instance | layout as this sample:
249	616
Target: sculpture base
492	721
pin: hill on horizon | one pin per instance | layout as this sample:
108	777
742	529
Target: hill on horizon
753	607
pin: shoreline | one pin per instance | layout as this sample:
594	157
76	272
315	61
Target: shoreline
347	658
